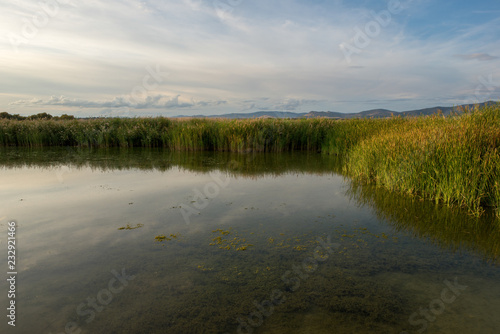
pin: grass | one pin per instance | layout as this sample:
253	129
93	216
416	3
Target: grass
454	160
183	135
249	135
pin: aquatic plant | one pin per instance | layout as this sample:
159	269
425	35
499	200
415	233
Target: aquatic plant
162	238
236	243
453	160
128	227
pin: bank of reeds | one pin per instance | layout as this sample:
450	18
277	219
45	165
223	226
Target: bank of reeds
454	160
138	132
261	135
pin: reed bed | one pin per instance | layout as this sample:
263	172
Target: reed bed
455	160
263	135
139	132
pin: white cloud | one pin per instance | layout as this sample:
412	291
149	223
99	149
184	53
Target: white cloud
150	102
477	56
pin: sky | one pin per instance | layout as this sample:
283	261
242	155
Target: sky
133	58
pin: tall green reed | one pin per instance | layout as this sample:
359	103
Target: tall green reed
454	160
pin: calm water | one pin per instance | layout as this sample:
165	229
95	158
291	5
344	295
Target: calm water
146	241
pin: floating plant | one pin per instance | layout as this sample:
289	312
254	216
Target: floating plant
128	227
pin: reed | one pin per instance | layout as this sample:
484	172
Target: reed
455	160
263	135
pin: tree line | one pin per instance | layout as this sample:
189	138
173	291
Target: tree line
39	116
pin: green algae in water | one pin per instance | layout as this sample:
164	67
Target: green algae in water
210	297
236	243
161	237
128	227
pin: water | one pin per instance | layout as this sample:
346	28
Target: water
147	241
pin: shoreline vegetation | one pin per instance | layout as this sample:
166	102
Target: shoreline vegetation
453	160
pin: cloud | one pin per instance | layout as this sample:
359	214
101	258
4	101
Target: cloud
294	104
209	103
150	102
477	56
289	104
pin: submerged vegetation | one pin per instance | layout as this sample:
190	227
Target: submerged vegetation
128	227
454	160
161	237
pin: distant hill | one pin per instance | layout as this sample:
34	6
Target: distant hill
374	113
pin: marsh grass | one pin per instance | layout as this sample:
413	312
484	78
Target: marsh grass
262	135
454	160
248	135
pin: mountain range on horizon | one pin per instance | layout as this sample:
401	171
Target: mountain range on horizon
372	113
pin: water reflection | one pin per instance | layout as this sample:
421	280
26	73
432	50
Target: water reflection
255	164
451	228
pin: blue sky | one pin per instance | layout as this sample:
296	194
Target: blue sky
189	57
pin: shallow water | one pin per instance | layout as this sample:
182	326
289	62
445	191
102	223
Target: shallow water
254	243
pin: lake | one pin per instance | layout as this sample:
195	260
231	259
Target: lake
151	241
